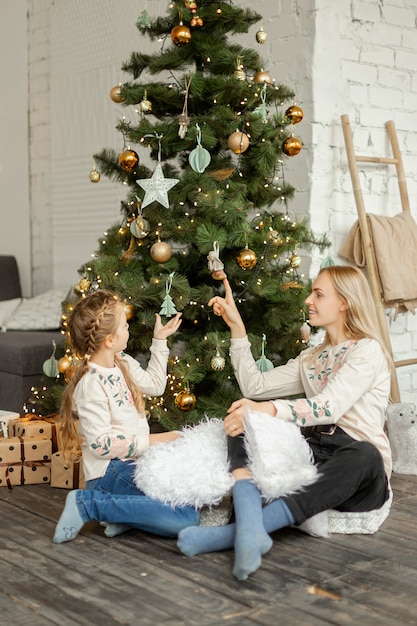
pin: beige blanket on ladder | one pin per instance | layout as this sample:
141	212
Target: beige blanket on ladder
395	244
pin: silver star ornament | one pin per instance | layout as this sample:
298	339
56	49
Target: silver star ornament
157	187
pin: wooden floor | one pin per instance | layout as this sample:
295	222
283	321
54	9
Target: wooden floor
139	579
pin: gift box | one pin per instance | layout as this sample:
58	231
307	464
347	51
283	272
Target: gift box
35	426
25	461
66	474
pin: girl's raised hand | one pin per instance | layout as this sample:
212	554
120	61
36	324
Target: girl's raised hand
162	331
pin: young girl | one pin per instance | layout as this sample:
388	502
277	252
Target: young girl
346	385
106	396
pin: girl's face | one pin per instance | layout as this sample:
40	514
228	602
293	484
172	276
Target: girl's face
121	335
325	307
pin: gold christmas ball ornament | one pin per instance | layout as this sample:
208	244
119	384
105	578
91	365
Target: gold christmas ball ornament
238	142
262	77
261	36
295	261
239	74
129	310
116	94
161	252
181	35
185	400
64	363
274	237
291	146
145	105
128	159
218	362
294	114
94	176
84	284
246	259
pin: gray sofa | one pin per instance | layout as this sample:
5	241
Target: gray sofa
22	353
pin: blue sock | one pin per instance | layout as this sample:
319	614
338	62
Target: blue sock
195	540
251	540
198	539
112	530
70	522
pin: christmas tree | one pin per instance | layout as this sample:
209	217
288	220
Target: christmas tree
217	130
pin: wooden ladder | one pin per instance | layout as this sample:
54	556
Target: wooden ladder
369	253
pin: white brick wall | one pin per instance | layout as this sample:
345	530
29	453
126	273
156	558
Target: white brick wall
351	57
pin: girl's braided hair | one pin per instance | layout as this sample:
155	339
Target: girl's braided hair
92	319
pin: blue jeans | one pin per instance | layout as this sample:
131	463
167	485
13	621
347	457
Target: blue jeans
114	498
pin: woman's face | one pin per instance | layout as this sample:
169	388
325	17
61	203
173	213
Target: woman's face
325	307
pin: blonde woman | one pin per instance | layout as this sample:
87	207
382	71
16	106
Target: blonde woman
345	383
105	396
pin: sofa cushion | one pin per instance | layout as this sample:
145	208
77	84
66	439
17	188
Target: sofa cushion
42	312
7	308
23	353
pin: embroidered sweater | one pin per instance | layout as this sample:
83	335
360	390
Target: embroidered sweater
347	385
110	427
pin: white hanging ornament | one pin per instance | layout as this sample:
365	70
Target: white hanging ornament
157	187
199	158
263	364
168	308
214	264
305	332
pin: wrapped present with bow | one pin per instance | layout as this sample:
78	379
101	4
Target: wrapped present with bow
67	473
32	425
25	461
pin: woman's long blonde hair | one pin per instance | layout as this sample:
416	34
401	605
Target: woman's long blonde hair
361	317
92	319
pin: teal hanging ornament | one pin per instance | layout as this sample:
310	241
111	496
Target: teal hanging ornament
143	20
50	366
199	158
168	308
327	262
264	364
260	110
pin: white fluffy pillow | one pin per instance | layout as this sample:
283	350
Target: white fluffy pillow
280	459
193	469
42	312
7	308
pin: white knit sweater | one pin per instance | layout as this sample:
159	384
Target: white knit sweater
109	424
